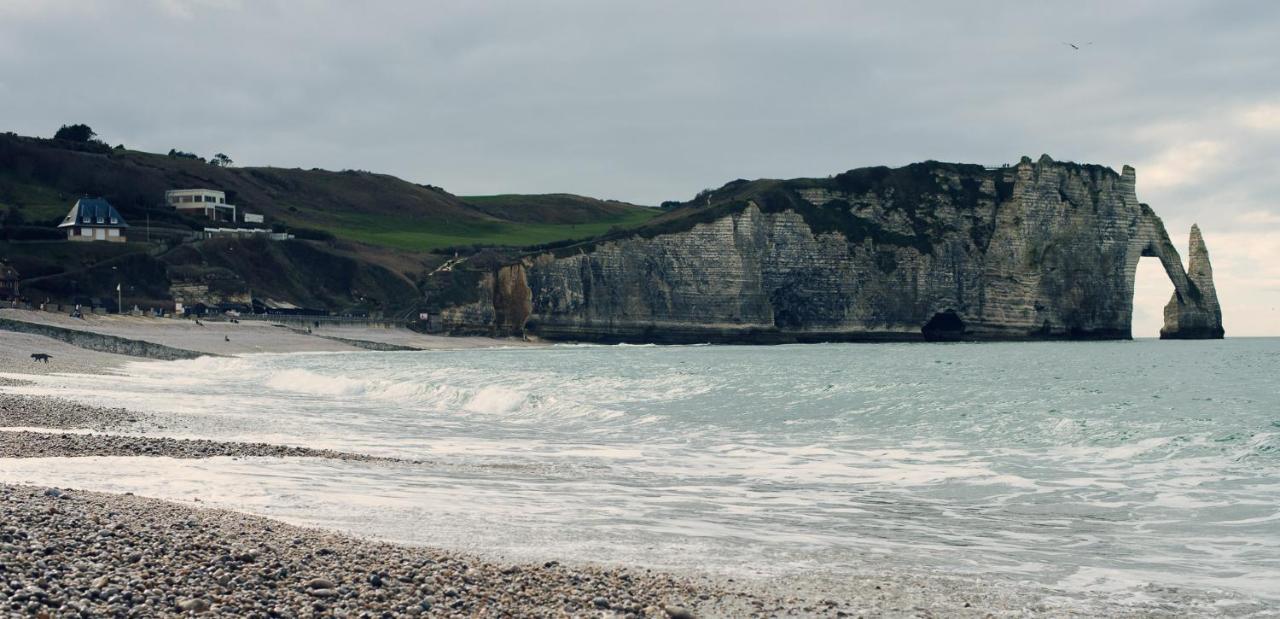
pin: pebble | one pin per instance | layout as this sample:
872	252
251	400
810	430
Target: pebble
319	583
678	612
198	605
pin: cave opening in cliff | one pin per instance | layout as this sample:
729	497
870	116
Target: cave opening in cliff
945	326
1151	291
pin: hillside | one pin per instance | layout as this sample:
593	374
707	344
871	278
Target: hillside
552	208
366	241
41	178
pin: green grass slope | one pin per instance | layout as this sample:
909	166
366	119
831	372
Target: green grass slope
40	179
553	208
468	234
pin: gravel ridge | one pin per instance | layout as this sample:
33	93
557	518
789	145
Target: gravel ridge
69	553
23	411
32	444
18	410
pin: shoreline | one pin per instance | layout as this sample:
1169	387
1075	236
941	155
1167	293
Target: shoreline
219	338
237	563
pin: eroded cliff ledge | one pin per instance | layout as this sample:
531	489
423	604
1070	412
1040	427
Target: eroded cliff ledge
1038	250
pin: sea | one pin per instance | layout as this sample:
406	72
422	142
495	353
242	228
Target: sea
1142	470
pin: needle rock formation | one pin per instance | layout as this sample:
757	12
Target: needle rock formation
1201	320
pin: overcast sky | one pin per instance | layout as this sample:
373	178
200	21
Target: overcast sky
650	101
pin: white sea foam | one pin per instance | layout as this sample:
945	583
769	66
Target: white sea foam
311	383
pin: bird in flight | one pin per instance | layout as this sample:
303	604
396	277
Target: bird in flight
1076	47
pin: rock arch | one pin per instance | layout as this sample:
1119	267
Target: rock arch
1193	311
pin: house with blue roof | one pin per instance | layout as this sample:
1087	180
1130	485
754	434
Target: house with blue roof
94	219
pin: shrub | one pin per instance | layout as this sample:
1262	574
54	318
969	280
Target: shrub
75	133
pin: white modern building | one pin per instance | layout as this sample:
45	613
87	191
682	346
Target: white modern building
208	202
94	219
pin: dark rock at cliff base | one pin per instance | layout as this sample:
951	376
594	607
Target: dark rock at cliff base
944	327
929	251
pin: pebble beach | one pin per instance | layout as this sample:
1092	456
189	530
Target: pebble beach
84	554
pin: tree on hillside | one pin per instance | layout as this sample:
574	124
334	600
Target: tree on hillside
221	160
173	152
75	133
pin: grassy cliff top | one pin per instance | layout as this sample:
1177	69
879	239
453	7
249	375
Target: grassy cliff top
914	190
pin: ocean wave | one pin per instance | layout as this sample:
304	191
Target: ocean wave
312	383
496	400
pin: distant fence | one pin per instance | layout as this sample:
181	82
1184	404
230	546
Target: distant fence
332	321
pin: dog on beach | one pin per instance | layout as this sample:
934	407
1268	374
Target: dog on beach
39	356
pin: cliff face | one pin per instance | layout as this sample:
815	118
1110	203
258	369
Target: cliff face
1039	250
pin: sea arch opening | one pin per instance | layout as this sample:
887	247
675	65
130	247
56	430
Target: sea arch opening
1152	290
944	326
